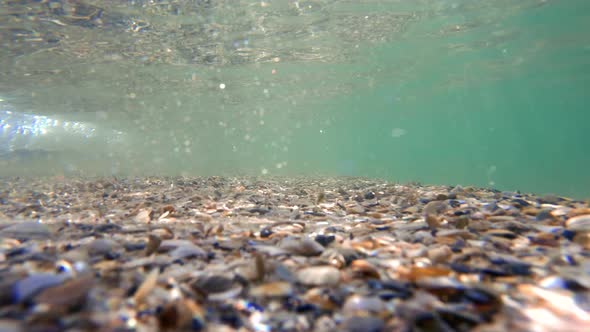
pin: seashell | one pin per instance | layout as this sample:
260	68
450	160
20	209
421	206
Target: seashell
153	244
357	304
579	223
456	233
144	216
440	254
364	269
182	314
70	295
556	282
303	247
325	324
270	250
319	276
322	298
416	273
146	287
272	289
259	267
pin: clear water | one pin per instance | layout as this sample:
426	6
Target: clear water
489	93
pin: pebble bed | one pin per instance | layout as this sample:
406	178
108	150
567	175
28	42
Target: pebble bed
288	254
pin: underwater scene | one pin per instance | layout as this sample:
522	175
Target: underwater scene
484	93
295	165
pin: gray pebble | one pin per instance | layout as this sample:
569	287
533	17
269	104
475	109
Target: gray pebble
26	230
303	247
364	324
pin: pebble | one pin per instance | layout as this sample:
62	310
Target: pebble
69	295
363	324
28	287
26	230
356	304
319	276
303	247
435	208
102	247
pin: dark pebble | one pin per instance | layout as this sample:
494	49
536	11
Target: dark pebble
369	195
543	215
16	251
568	234
133	246
479	296
512	268
314	213
106	228
324	240
461	212
391	288
266	232
229	316
520	203
259	210
461	268
454	203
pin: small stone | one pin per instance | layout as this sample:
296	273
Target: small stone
319	276
363	324
440	254
324	240
25	289
70	295
187	251
356	209
357	304
153	244
26	230
435	208
303	247
101	247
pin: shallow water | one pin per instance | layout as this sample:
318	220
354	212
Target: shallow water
487	93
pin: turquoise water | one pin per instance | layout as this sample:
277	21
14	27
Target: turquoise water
485	93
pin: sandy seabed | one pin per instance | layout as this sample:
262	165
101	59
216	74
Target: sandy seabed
288	254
